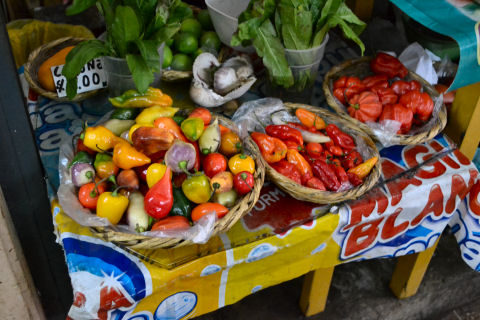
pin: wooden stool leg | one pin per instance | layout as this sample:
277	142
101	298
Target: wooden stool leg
409	272
315	291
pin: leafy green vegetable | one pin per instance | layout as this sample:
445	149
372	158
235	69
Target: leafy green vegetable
135	30
275	25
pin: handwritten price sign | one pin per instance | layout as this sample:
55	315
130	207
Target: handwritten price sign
91	77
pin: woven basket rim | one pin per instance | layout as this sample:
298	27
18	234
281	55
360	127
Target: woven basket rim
241	208
327	197
402	139
35	59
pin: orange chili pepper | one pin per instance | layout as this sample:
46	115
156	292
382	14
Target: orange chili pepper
171	126
363	169
310	119
272	149
295	158
125	156
223	129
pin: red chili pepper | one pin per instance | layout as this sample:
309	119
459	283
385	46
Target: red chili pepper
88	194
293	145
284	132
288	170
336	151
314	149
388	65
339	137
272	149
354	179
347	87
400	114
315	183
341	174
324	172
420	103
415	85
351	159
302	165
243	182
401	87
300	126
82	147
380	81
365	107
386	95
159	199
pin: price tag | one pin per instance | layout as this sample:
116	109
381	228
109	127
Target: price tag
91	77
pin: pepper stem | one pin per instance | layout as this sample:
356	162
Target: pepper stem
104	151
215	187
244	177
183	166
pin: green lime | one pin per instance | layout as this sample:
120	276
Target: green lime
186	43
210	39
167	57
169	42
191	25
197	53
181	62
204	19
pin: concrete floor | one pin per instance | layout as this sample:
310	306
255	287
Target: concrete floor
450	291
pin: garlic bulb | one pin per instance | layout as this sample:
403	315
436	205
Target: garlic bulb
224	80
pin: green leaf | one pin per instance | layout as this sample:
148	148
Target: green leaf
330	7
149	51
179	13
278	24
142	74
269	47
160	19
349	17
297	26
316	8
165	33
77	58
79	6
251	19
125	28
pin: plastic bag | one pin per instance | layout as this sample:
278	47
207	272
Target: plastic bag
27	35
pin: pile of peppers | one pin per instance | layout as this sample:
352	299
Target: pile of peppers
155	168
386	95
314	154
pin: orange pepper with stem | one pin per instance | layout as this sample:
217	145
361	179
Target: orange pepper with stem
171	126
125	156
310	119
295	158
272	149
363	169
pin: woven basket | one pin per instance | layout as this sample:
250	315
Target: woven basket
361	68
242	207
42	53
327	197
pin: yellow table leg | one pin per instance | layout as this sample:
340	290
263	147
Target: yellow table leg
315	291
409	272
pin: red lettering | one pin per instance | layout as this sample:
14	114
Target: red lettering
361	237
411	160
364	207
459	188
461	157
447	159
396	187
390	230
474	202
434	204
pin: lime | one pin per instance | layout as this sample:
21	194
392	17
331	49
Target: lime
197	53
167	57
204	19
210	39
191	25
181	62
169	42
186	43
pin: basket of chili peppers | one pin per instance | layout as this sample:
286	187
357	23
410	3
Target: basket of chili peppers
153	177
317	156
386	100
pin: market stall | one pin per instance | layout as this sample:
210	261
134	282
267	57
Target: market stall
391	190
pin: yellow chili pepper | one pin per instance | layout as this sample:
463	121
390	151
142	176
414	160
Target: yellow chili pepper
99	138
363	169
148	115
135	99
155	172
135	127
125	156
241	162
112	205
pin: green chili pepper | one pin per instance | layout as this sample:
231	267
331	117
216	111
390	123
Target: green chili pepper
192	128
197	188
135	99
80	157
181	205
179	119
125	113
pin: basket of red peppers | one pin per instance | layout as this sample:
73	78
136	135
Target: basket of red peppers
146	177
386	100
317	156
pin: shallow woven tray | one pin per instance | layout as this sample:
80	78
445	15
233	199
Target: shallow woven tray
361	68
242	207
42	53
328	197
